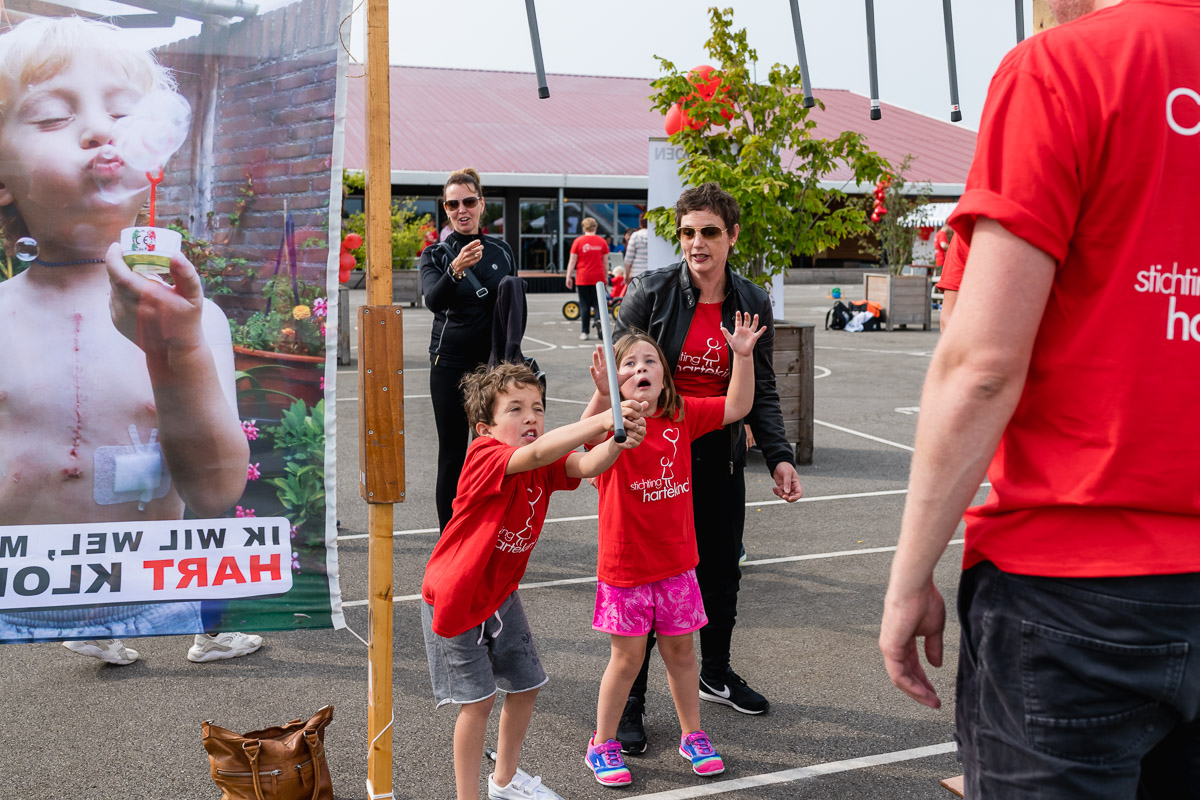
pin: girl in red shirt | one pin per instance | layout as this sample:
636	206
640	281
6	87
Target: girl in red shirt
647	555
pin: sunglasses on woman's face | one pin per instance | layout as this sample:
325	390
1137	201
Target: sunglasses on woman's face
467	202
708	232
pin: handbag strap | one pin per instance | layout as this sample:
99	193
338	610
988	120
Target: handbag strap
314	745
251	749
480	290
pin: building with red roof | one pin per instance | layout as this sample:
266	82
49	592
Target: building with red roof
546	164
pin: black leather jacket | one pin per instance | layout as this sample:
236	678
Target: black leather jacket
662	303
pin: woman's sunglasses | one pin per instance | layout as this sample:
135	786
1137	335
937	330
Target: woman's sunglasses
467	202
708	232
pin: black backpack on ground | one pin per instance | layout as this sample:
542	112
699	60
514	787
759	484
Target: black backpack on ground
837	317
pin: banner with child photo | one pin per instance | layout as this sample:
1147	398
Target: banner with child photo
166	183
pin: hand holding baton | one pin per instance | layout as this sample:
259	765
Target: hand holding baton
610	361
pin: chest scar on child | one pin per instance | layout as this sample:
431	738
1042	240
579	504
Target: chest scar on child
77	372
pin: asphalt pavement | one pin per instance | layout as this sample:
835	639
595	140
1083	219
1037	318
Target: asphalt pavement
808	620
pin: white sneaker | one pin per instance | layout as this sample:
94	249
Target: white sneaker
223	645
111	651
583	337
523	787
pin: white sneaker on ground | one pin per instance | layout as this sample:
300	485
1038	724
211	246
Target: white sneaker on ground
223	645
112	651
523	787
583	337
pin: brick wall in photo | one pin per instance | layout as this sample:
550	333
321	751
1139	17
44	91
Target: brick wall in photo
263	93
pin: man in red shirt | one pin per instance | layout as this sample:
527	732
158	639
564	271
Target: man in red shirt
590	254
1080	368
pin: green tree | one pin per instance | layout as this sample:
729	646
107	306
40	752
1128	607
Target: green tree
891	239
766	155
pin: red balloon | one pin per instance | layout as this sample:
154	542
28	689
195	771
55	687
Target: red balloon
352	242
686	120
674	120
875	217
346	262
701	78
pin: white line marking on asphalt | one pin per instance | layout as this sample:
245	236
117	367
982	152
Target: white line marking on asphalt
565	400
799	773
921	353
586	517
866	551
863	435
824	374
548	346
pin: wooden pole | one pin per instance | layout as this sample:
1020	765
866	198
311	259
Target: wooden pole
1043	18
379	514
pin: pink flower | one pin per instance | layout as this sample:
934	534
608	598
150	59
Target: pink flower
243	512
322	329
250	429
322	383
252	472
295	561
294	531
320	308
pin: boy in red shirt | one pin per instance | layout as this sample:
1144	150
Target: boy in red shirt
476	635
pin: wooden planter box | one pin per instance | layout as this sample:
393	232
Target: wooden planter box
793	363
406	286
904	298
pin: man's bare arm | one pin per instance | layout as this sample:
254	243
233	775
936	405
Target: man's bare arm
973	385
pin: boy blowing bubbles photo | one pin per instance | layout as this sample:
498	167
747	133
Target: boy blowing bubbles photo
95	356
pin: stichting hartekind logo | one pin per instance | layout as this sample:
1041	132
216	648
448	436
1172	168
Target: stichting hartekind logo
518	542
665	486
1174	283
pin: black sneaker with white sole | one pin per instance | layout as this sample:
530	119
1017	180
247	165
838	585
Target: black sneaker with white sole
631	730
732	691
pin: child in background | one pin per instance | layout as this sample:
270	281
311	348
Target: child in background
94	357
647	557
476	635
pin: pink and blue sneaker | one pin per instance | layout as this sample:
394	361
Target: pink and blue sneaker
696	748
606	763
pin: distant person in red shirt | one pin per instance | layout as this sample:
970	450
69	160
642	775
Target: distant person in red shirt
1074	386
589	253
476	635
951	278
646	575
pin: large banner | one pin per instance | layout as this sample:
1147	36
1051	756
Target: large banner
166	189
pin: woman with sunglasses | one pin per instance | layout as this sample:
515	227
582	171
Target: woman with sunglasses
459	278
683	307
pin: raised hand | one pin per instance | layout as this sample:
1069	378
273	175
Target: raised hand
599	371
746	333
158	317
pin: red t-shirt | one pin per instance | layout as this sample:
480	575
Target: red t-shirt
1088	151
941	243
703	366
590	268
956	262
647	531
482	554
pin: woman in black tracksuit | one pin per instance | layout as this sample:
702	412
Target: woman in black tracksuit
459	278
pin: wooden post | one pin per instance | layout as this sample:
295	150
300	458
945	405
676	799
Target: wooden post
1042	16
381	412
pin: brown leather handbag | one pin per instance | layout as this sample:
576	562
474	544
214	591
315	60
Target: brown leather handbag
286	762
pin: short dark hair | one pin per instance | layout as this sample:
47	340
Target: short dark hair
481	388
708	197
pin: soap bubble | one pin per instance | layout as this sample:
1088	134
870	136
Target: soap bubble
26	249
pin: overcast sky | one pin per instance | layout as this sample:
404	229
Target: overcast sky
621	38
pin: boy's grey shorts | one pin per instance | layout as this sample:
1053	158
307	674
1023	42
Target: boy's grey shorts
498	655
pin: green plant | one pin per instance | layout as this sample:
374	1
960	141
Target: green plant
216	270
293	320
756	140
8	267
354	181
408	232
300	437
891	238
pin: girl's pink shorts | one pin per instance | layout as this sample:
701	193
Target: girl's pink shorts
672	607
